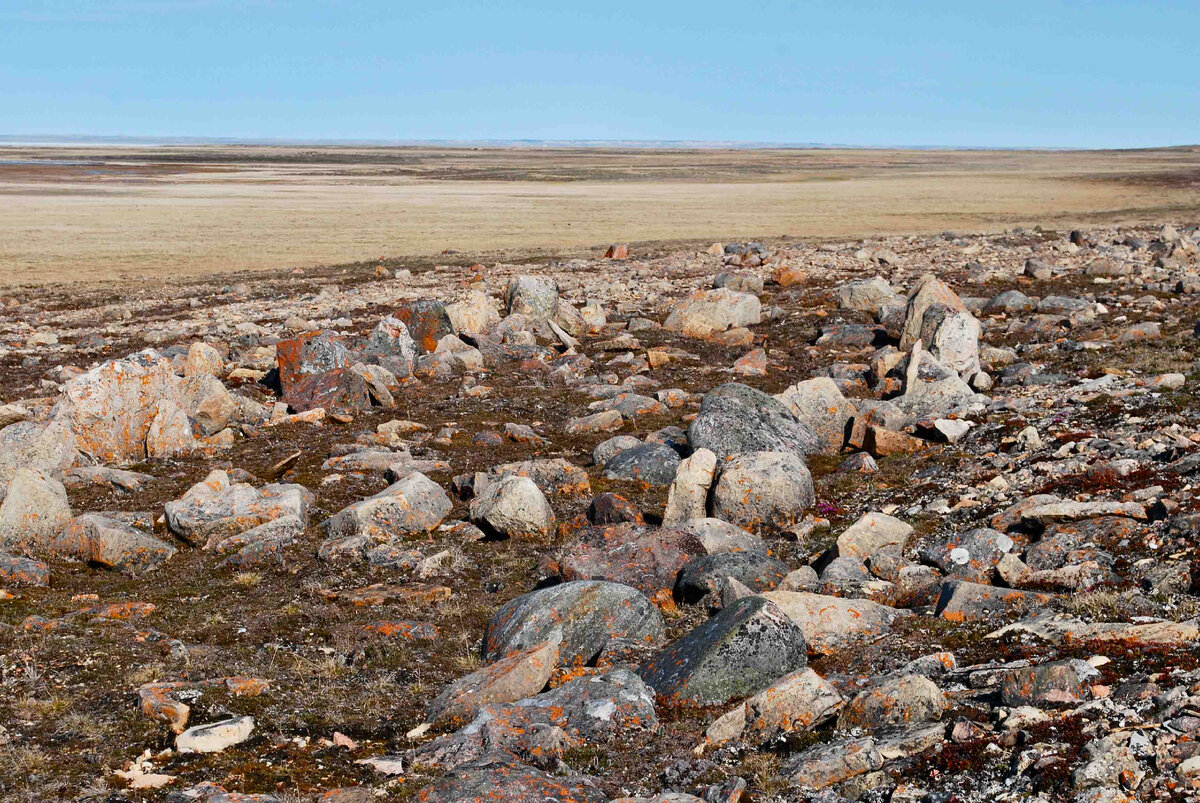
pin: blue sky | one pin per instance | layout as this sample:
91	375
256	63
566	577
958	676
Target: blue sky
965	73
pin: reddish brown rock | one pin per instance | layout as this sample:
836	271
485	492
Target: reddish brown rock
646	558
427	322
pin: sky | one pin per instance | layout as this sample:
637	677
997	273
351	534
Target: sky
968	73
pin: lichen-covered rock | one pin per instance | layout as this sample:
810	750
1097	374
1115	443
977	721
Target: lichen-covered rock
687	498
1055	683
216	508
735	418
34	510
763	490
513	507
415	504
647	558
593	616
831	623
101	541
110	408
797	702
905	700
819	405
649	463
705	313
510	679
743	649
500	777
594	709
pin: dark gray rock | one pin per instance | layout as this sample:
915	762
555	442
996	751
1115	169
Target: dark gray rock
735	418
743	649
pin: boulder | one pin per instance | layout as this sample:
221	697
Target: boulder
797	702
819	406
101	541
647	558
512	507
649	463
904	700
500	777
593	616
735	418
415	504
763	490
35	509
705	313
216	508
708	574
871	533
510	679
831	623
532	296
743	649
110	408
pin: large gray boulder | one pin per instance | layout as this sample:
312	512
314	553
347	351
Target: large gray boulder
532	296
49	448
110	408
735	418
513	507
705	313
743	649
594	617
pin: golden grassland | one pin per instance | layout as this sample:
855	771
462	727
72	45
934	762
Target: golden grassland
94	214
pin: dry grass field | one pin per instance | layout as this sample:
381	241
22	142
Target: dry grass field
95	214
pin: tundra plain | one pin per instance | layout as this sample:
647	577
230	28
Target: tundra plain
96	213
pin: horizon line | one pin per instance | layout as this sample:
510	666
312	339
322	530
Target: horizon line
45	140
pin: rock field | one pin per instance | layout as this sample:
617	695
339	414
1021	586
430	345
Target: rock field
910	519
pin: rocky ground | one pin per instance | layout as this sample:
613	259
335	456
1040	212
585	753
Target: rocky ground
909	519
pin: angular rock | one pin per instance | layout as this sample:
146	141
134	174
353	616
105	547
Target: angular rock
593	616
905	700
415	504
688	496
763	490
872	533
647	558
101	541
513	507
35	509
507	680
735	418
831	623
743	649
650	463
705	313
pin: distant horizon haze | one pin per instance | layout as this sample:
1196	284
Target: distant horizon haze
1050	74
